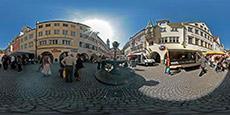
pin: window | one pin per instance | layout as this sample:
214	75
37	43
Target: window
53	42
73	26
40	26
196	24
48	32
80	34
31	36
65	25
190	40
40	33
177	39
174	30
56	24
43	42
163	29
64	32
205	35
56	31
87	45
165	40
73	33
196	31
25	45
21	47
25	38
201	26
81	27
201	33
171	39
48	25
201	43
197	41
31	44
189	29
66	42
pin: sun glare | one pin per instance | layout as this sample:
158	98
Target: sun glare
103	27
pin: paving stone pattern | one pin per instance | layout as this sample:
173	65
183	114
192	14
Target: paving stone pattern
150	92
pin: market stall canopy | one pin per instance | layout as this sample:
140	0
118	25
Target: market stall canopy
214	53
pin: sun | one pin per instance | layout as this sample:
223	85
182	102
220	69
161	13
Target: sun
103	27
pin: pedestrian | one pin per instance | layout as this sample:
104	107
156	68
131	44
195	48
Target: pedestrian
61	65
203	62
78	66
0	62
19	63
5	62
167	64
69	63
46	63
99	62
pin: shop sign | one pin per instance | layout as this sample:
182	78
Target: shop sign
162	47
55	50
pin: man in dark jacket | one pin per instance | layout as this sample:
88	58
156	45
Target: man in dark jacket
78	66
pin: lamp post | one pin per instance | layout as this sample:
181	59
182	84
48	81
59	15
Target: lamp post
36	44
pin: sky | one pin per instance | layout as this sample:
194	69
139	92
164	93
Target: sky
125	17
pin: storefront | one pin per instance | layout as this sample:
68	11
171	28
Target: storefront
183	58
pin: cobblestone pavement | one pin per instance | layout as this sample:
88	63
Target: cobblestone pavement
150	92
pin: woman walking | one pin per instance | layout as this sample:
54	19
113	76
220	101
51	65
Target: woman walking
46	63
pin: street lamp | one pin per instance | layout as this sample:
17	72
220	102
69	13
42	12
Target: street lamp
36	39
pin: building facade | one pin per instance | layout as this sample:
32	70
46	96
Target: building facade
54	38
183	40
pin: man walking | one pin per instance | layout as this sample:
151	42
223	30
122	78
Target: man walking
69	63
203	61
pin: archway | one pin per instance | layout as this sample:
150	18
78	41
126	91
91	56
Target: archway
47	54
85	56
156	56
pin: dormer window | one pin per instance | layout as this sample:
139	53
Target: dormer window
163	29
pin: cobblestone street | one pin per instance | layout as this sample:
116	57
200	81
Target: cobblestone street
150	92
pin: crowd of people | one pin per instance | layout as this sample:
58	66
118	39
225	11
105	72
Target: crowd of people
69	67
217	63
12	62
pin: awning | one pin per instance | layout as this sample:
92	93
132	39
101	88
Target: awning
214	53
